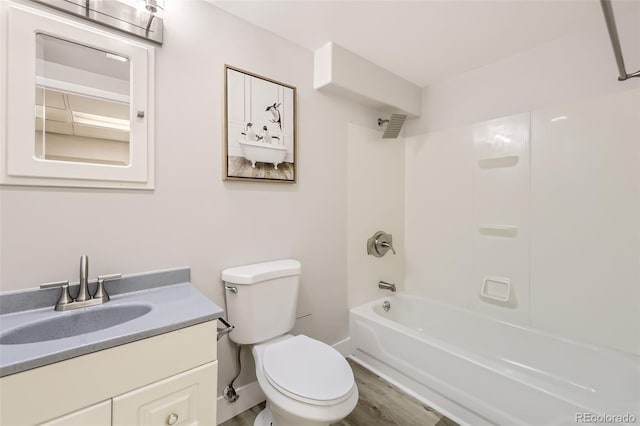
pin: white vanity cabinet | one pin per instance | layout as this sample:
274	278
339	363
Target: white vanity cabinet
168	379
95	415
185	399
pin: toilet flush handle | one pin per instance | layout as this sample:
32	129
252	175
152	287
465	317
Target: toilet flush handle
222	331
231	288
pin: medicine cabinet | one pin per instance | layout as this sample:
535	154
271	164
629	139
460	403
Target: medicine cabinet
78	104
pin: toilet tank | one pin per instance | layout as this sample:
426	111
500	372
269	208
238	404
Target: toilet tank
261	299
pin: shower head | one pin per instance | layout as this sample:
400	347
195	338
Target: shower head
394	125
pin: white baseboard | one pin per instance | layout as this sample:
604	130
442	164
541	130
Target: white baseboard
251	394
344	347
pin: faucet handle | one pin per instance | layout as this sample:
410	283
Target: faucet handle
388	246
65	298
100	291
108	277
379	244
55	284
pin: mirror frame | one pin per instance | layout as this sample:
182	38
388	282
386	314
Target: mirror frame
20	166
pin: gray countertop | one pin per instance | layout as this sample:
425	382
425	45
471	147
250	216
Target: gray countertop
173	301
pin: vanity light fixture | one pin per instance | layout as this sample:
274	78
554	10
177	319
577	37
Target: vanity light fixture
140	18
152	6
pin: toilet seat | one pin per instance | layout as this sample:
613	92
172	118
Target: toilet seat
307	370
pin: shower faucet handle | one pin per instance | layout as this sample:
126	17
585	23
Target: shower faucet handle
379	244
389	246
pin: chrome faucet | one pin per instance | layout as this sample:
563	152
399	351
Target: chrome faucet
84	298
387	286
83	292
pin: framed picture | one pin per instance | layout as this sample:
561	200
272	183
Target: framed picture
259	128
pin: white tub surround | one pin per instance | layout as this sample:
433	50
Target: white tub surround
479	370
522	230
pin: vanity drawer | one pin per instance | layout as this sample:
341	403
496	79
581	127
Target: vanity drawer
188	398
96	415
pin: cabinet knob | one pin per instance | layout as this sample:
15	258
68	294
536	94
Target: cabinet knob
140	113
172	419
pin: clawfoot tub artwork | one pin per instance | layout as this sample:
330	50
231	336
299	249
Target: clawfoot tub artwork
260	124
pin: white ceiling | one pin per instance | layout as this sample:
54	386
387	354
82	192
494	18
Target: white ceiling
425	41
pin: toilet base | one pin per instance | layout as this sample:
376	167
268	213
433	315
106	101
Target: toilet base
264	418
268	418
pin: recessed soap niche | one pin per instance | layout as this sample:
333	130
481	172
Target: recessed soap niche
496	289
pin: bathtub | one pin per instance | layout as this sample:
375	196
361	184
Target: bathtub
478	370
263	152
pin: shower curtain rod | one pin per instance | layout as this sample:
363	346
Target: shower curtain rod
607	10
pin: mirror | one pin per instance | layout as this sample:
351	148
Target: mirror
82	103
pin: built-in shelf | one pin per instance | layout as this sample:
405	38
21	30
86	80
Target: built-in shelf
498	230
498	162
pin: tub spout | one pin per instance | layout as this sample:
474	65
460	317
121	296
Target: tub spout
387	286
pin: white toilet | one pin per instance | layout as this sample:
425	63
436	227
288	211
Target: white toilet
306	382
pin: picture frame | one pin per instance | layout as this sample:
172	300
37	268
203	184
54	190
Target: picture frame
259	140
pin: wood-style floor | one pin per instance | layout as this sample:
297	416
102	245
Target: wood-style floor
241	167
380	404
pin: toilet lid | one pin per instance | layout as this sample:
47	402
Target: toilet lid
308	370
